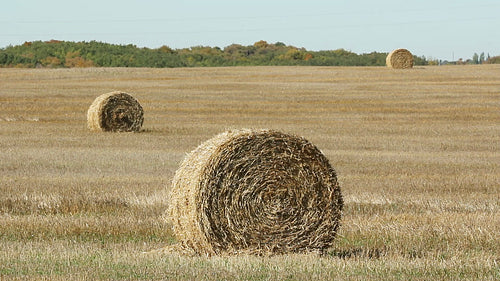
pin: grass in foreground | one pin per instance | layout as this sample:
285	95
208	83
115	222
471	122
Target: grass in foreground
89	261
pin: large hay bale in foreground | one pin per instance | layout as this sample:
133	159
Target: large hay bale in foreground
399	58
115	111
255	192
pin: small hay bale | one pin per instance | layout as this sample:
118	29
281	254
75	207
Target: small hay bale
399	58
255	192
116	112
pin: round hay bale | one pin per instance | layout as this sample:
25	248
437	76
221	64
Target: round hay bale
399	58
116	112
255	192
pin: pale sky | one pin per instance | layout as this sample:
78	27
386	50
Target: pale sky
441	29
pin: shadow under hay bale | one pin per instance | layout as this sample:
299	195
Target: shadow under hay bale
399	59
255	192
115	112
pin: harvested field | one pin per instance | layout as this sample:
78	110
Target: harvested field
416	152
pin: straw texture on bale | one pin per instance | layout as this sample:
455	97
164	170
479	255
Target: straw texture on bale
116	112
399	58
255	192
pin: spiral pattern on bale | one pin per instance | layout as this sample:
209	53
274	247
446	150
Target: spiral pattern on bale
116	112
399	58
255	192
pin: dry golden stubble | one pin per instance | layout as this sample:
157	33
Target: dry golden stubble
116	112
255	192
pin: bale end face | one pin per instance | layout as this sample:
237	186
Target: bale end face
115	112
255	192
399	59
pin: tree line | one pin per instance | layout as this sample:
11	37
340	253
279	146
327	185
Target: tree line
55	53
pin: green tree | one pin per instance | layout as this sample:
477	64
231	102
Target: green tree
475	58
261	44
495	60
56	53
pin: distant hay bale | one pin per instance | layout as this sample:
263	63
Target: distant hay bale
115	111
255	192
399	58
